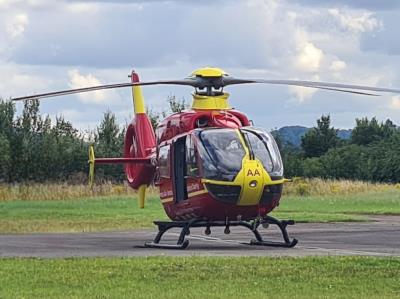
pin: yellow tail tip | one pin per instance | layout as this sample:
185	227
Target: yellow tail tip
142	196
91	166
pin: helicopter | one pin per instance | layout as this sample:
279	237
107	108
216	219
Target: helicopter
212	166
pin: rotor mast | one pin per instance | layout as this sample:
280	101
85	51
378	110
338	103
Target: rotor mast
213	98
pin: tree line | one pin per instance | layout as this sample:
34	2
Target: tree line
33	148
371	154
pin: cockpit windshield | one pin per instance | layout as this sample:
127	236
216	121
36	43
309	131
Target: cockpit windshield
222	151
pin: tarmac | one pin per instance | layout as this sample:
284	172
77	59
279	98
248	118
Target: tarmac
380	237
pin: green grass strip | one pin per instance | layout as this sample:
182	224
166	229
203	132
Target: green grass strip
122	212
201	277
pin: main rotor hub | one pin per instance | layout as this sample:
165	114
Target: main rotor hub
207	72
209	81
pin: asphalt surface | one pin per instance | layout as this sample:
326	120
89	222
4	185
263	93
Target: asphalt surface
378	238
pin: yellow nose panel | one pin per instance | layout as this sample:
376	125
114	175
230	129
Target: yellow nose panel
253	183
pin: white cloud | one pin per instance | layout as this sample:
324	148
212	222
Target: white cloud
395	103
17	25
16	81
77	80
303	94
337	65
6	4
309	57
279	39
83	8
355	21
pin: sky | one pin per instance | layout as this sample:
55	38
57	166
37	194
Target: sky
48	45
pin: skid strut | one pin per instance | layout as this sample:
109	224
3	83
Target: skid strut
164	226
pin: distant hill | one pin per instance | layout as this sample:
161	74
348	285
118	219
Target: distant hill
292	134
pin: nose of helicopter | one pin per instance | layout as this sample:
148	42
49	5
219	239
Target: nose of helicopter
253	176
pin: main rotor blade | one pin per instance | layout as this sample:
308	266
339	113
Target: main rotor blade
188	82
313	84
219	82
346	90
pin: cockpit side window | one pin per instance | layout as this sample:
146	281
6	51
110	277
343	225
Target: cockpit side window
192	168
265	149
260	150
163	158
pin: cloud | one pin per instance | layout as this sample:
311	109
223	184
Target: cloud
18	4
309	57
337	65
17	25
94	42
363	4
395	103
303	94
355	21
83	8
77	80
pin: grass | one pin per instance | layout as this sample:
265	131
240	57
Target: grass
104	213
122	212
61	191
316	186
201	277
348	207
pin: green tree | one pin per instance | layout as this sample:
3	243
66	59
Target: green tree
320	139
175	105
5	158
7	111
154	117
369	131
108	134
366	131
292	161
110	140
384	159
312	167
348	162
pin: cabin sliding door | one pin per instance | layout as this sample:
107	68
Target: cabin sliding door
179	169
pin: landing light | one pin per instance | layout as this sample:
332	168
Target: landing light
253	184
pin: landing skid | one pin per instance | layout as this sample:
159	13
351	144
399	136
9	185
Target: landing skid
164	226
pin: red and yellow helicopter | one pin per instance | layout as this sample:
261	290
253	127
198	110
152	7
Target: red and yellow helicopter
212	166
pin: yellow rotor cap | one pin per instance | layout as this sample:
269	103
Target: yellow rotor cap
209	72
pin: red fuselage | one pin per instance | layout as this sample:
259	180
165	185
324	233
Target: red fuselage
186	196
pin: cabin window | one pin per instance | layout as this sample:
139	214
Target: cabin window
163	161
192	169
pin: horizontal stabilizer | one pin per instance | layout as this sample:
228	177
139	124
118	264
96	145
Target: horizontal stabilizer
122	160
